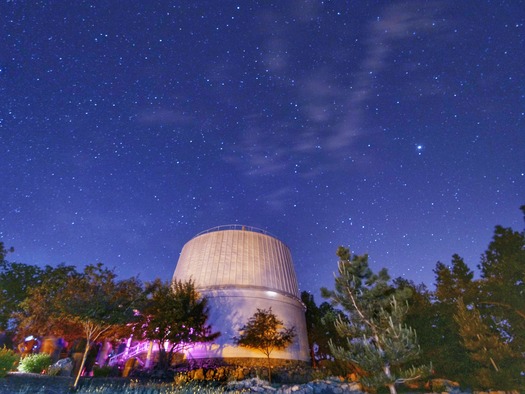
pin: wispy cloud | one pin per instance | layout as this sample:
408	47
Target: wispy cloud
278	198
398	22
334	112
261	151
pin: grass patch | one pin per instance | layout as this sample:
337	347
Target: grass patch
7	361
25	383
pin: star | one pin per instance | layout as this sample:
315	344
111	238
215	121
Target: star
129	130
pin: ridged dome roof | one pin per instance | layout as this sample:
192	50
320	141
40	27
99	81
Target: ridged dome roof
237	256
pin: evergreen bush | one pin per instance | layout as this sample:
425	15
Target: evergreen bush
35	363
7	360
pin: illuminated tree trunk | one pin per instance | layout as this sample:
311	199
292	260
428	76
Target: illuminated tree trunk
84	357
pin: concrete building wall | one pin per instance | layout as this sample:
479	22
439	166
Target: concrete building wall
240	269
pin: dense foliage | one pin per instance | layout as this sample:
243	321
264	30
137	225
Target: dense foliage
36	313
175	315
93	305
480	323
63	302
16	280
7	361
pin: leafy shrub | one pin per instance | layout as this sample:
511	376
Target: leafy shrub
35	363
7	360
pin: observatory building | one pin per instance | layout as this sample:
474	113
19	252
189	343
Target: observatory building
239	269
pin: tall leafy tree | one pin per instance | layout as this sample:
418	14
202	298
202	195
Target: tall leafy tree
175	316
16	280
96	302
35	317
265	332
376	337
19	285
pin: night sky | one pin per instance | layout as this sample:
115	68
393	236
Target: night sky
395	128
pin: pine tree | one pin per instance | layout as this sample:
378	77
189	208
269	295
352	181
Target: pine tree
450	359
377	339
420	317
501	295
492	356
502	288
453	282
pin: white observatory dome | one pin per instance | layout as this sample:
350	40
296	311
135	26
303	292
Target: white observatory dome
240	269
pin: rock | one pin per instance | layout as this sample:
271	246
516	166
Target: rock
308	389
61	367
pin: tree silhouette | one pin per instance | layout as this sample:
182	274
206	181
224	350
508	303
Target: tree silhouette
320	327
453	282
16	280
175	316
502	286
